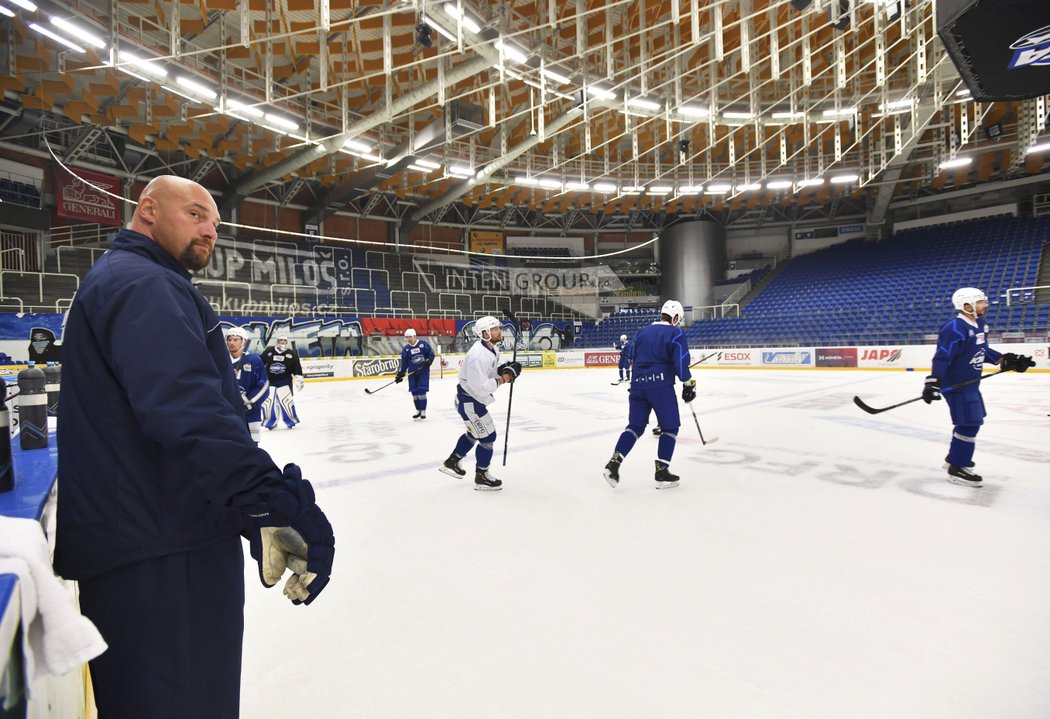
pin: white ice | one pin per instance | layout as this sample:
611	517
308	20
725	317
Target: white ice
813	562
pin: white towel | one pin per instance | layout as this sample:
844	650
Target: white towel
56	638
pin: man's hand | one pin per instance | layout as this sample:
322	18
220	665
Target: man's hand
509	370
289	531
931	392
689	391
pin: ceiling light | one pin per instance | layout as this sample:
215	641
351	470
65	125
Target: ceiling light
778	185
56	37
734	115
659	189
549	182
464	20
527	181
25	5
749	187
963	93
556	76
465	170
718	189
601	93
896	104
814	182
1041	147
693	111
136	62
511	52
78	33
842	112
239	107
844	179
5	11
419	168
367	156
424	163
643	103
605	186
632	190
577	185
690	189
197	88
359	146
957	162
788	115
282	122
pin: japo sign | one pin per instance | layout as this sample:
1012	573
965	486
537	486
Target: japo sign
78	200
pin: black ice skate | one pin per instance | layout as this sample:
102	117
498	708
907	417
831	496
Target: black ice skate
948	464
451	466
664	478
657	431
963	476
486	482
612	469
421	414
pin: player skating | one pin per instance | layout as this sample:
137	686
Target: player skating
962	350
660	353
251	376
478	379
416	358
285	373
624	348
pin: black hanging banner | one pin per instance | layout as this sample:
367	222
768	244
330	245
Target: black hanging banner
1000	47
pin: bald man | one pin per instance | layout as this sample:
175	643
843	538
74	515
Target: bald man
159	477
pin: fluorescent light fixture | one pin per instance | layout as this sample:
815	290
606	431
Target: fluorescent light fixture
427	163
78	33
693	111
549	182
5	11
788	115
556	76
659	189
357	145
632	190
813	182
197	88
749	187
138	63
605	187
841	112
718	189
465	20
963	93
735	115
25	5
511	52
844	179
464	170
56	37
1041	147
367	156
778	185
527	181
957	162
896	104
420	168
282	122
239	107
643	103
577	185
690	189
601	93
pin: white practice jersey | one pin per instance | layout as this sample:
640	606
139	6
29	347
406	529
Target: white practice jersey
478	377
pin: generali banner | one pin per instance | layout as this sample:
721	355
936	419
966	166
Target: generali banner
78	200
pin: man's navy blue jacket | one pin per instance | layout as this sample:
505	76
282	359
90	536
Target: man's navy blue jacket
154	453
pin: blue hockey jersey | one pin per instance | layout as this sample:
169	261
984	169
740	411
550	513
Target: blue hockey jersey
416	357
962	351
659	353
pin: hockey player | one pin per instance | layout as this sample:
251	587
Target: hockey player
416	357
962	350
478	379
624	347
660	354
285	374
251	376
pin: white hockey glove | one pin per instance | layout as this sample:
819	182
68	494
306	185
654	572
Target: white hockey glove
244	398
298	381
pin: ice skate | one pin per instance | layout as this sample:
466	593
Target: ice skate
948	464
657	431
421	414
612	469
664	478
451	466
484	481
963	476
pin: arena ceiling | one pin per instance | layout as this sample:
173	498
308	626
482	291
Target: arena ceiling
604	109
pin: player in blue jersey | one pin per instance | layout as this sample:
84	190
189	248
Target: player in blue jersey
479	377
416	358
251	376
660	353
624	347
962	351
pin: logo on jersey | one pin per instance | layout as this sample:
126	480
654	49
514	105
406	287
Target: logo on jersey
787	358
977	361
1032	50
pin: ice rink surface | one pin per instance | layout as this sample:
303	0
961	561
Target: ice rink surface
813	562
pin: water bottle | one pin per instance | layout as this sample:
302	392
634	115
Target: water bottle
52	381
32	408
7	473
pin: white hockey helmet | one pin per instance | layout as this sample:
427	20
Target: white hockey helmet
968	296
673	309
623	338
410	332
238	332
485	324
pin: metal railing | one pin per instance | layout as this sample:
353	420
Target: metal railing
39	278
419	283
20	254
1028	297
714	312
455	303
224	286
92	252
12	302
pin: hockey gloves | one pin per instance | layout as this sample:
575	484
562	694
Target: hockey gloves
1016	363
510	369
298	380
244	398
932	390
689	391
289	531
399	377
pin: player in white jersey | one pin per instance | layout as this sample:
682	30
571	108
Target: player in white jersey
478	379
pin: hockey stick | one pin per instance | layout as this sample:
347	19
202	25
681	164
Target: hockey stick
393	381
510	398
703	441
701	361
872	410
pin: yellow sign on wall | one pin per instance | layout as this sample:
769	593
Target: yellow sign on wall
550	359
490	243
